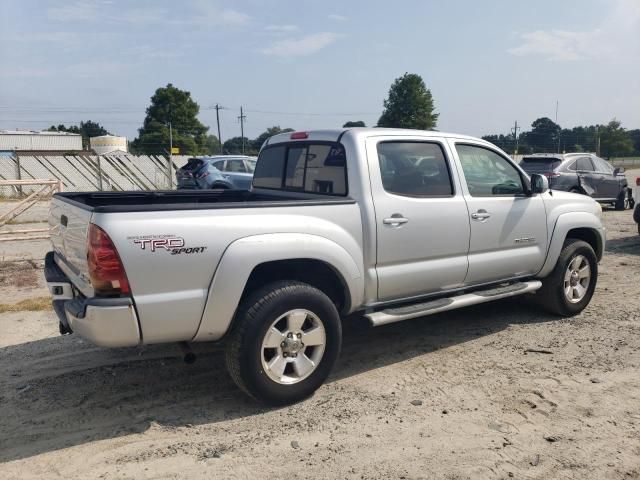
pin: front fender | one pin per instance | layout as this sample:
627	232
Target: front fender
243	255
565	223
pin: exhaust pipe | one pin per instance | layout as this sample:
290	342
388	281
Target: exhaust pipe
189	356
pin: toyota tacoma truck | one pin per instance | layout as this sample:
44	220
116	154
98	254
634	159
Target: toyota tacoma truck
383	223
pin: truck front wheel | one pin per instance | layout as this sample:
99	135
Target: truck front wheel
569	288
285	340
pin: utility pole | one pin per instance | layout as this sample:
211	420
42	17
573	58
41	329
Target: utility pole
170	173
559	133
597	141
218	108
242	117
515	136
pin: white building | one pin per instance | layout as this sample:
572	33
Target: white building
19	140
108	144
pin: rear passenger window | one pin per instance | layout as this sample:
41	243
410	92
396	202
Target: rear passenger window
584	164
414	169
301	166
236	166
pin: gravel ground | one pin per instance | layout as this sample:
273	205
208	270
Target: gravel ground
457	395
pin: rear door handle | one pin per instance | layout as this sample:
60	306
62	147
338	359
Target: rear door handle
395	220
480	215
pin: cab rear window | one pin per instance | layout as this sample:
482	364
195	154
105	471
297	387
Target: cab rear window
312	167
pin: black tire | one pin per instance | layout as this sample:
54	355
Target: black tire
552	296
255	317
219	186
621	201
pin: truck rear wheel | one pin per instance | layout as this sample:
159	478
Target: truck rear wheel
284	343
569	288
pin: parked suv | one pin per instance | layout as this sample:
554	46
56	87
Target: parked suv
220	172
582	173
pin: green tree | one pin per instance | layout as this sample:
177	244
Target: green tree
269	132
543	136
233	146
615	141
170	105
359	123
87	129
634	135
505	142
212	145
409	105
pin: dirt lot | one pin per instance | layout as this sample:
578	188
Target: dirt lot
451	396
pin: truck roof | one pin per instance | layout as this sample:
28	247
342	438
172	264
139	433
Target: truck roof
332	135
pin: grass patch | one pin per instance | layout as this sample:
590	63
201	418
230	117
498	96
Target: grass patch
39	304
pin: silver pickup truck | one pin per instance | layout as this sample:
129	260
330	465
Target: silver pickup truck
388	224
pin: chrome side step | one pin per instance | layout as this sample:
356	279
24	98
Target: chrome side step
416	310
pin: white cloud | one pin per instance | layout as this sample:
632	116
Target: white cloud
555	44
616	36
282	28
300	47
337	18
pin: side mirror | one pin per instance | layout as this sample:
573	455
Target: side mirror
539	183
618	170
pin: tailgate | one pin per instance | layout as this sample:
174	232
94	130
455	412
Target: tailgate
69	225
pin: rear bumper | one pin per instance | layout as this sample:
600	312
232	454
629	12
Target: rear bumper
106	322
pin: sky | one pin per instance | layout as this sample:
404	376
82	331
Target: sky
317	64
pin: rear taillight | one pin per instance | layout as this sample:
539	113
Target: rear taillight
637	181
202	175
552	174
105	267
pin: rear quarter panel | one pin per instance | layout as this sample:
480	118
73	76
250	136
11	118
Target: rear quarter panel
170	290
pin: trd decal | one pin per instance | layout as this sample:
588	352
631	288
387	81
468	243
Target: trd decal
169	243
154	244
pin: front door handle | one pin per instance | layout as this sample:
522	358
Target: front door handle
395	220
480	215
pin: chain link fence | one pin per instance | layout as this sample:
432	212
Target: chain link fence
91	172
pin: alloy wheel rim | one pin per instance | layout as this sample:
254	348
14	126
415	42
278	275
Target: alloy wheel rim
577	279
293	346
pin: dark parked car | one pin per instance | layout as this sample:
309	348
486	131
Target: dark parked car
583	173
222	172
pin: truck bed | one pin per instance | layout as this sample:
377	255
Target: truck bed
112	202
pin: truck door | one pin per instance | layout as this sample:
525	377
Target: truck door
422	223
508	227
